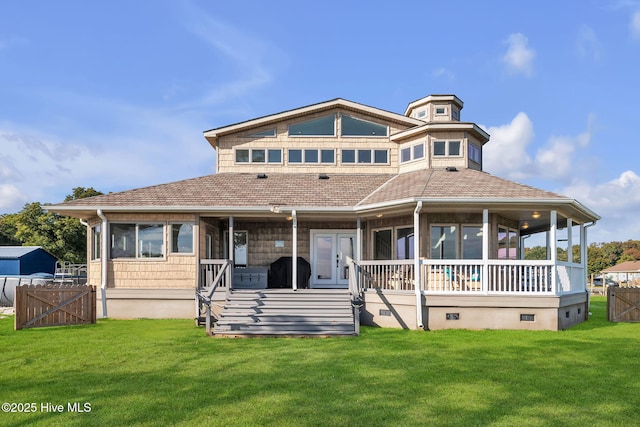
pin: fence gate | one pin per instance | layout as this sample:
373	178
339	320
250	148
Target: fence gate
623	304
54	305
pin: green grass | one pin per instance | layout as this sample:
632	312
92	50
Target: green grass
168	372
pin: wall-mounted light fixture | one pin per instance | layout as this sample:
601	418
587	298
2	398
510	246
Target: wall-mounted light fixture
535	215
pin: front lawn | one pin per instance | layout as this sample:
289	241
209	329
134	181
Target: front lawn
168	372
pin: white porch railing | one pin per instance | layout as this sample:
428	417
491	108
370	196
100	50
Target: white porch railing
468	276
392	274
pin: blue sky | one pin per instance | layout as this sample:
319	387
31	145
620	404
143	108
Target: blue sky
116	94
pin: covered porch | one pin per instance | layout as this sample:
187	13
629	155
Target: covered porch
426	292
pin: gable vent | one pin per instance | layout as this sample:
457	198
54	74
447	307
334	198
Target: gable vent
261	176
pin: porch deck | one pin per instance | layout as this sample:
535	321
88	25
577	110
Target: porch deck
504	294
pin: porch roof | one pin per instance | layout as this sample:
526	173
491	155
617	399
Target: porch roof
624	267
347	193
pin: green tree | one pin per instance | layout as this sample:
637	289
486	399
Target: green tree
8	230
63	237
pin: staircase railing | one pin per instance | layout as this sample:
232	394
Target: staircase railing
356	292
215	273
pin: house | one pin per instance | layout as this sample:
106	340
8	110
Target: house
627	273
25	260
394	209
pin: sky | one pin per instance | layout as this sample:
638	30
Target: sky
116	94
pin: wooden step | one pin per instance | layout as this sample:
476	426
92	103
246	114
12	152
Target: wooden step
284	312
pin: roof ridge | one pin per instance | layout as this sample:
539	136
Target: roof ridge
377	189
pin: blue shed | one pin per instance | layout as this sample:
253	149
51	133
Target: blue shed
25	260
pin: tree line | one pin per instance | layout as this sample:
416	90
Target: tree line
63	237
66	238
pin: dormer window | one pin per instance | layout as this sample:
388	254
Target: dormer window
353	126
322	126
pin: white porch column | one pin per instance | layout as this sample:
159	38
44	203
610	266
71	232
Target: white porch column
416	264
231	249
105	237
553	248
485	251
358	253
294	251
583	254
569	241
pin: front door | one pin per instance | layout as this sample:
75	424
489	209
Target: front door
329	258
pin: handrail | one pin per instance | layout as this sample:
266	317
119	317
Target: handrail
206	298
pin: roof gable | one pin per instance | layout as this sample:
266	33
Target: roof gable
212	134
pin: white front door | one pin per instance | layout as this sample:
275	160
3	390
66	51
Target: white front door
329	258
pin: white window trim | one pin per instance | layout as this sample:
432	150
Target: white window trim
318	163
446	148
446	224
363	136
479	148
193	239
394	235
266	156
509	230
462	226
373	157
96	246
335	134
411	153
137	258
255	135
436	107
225	248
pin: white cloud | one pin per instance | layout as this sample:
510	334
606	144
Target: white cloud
557	158
254	60
635	25
588	44
10	197
506	153
38	166
616	201
519	57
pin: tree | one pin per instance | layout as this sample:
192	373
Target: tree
63	237
8	230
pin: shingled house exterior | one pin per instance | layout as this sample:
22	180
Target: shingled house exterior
392	207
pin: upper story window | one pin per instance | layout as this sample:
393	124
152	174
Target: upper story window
268	133
297	155
422	114
455	114
258	155
446	148
322	126
364	157
441	111
475	153
352	126
413	152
